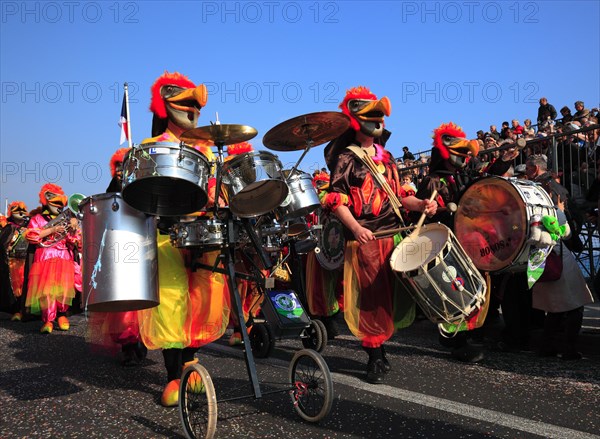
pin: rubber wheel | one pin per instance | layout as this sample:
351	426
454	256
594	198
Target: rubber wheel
261	340
312	393
197	403
316	336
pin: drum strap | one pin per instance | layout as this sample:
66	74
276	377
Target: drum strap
372	167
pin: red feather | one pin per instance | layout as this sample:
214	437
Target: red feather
450	129
157	104
359	92
118	156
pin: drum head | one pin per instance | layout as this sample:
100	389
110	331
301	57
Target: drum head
491	223
416	251
258	198
331	243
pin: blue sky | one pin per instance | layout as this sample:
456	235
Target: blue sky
62	66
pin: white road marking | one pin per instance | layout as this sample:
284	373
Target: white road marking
543	429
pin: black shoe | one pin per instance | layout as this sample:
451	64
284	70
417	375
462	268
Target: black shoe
330	325
467	354
375	371
141	351
386	364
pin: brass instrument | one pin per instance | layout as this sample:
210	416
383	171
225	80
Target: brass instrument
63	219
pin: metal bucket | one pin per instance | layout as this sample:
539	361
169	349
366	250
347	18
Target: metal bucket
120	270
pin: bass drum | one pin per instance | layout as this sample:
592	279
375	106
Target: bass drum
331	242
493	222
120	271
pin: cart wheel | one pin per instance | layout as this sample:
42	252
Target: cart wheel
261	340
312	393
316	336
197	403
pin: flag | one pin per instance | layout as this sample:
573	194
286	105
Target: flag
123	121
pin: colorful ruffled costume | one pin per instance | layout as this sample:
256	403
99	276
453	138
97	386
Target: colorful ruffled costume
375	305
51	283
194	305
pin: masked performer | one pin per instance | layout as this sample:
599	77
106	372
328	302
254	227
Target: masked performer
14	253
194	305
51	283
450	176
364	196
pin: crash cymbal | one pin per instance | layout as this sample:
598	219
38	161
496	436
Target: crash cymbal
221	134
317	128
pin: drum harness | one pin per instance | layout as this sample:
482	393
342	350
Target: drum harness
372	167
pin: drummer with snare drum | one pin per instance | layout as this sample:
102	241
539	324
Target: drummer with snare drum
448	175
367	196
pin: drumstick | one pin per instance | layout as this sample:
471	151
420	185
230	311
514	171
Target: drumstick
392	231
423	215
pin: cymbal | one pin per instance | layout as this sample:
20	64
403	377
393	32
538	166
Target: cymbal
296	133
221	134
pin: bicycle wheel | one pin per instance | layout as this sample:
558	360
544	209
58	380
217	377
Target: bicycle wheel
197	403
312	393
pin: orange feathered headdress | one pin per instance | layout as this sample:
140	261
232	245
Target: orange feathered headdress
3	221
157	105
359	92
52	188
117	157
321	180
16	205
450	129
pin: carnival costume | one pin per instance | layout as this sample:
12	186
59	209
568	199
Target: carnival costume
14	252
194	305
375	305
51	283
449	175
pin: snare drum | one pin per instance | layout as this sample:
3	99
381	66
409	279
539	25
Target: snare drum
302	197
165	178
439	275
203	232
254	183
120	271
493	222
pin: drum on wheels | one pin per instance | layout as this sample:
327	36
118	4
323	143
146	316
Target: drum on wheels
254	183
439	275
493	221
120	270
165	178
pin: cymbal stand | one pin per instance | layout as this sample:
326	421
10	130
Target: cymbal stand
309	145
228	258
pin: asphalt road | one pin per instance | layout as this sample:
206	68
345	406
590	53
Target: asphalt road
52	386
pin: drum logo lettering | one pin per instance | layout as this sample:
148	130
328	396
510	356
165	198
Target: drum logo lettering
493	248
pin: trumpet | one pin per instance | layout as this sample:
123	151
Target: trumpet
63	220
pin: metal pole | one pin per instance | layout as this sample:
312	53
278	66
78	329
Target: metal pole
126	88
